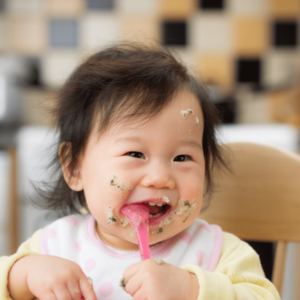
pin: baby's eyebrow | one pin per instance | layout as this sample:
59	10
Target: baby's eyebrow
192	144
128	139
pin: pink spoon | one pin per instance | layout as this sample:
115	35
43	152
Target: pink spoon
138	215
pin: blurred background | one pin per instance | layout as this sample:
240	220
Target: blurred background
247	51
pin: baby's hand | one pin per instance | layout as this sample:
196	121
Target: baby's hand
149	280
52	278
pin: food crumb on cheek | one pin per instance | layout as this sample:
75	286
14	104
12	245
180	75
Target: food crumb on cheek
185	207
124	223
122	186
197	121
185	113
160	230
132	233
111	218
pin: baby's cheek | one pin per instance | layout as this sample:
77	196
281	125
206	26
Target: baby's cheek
192	189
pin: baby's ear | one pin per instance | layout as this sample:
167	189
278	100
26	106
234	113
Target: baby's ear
72	177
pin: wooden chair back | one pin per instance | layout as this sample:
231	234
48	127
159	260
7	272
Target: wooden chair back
259	199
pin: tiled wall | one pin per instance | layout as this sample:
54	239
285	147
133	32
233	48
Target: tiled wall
227	41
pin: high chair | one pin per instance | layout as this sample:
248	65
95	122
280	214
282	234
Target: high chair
259	199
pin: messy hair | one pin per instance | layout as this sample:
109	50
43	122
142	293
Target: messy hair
120	83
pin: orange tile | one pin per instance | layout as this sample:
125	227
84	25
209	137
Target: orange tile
27	35
285	8
217	69
65	8
140	29
285	106
251	36
177	8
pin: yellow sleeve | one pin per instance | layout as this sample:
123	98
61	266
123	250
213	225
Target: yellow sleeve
239	274
31	246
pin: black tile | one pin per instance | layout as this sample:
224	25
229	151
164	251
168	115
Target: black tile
100	4
174	33
285	34
248	70
211	4
63	33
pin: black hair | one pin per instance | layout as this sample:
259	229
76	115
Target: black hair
120	82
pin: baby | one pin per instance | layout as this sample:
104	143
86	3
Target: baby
135	128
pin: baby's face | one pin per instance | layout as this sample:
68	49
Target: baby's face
159	163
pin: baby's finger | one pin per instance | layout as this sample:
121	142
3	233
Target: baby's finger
140	295
134	285
48	296
61	292
86	287
132	270
74	290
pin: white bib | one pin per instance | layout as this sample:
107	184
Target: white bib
74	238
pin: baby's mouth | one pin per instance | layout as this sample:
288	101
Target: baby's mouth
156	209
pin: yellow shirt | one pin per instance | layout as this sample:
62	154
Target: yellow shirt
238	275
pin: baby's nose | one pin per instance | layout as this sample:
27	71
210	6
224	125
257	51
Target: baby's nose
159	176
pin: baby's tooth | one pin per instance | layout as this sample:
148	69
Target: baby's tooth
159	204
152	203
150	216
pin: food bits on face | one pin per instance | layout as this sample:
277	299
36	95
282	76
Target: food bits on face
165	199
185	113
124	223
111	218
122	186
197	121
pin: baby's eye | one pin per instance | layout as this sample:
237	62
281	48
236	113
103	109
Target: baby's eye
182	157
136	154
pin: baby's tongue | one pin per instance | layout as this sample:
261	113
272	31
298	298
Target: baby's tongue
138	215
153	210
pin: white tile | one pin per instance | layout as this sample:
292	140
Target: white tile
98	30
25	6
253	108
211	33
249	7
280	68
56	67
133	7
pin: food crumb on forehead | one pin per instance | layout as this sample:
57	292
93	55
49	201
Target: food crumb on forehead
185	113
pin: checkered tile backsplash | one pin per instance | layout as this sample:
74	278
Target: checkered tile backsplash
227	42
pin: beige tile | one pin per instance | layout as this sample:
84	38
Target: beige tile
249	8
65	8
285	8
140	29
27	35
57	66
211	33
25	6
177	8
281	68
138	7
251	36
217	69
98	30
